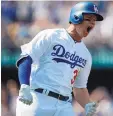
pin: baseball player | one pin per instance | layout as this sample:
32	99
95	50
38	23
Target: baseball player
55	63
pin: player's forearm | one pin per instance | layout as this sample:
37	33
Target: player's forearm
24	70
82	96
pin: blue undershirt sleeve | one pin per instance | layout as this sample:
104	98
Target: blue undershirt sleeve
24	70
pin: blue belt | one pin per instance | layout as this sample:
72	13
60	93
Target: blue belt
53	94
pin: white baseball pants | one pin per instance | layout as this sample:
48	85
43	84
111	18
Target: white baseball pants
44	105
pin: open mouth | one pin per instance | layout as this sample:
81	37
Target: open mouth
89	29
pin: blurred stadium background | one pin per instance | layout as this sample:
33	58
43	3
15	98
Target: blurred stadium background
22	20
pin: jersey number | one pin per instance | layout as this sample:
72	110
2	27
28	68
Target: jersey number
75	75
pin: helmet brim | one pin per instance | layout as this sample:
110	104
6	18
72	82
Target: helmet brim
98	16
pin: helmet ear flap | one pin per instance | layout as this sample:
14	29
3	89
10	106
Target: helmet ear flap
76	17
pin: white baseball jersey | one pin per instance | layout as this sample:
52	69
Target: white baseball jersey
59	62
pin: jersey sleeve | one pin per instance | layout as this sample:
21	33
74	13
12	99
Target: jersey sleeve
37	47
82	78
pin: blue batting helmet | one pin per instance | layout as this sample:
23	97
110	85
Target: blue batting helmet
76	14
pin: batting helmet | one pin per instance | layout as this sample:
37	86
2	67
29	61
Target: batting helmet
76	14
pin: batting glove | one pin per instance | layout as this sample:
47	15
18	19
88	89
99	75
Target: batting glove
90	108
25	95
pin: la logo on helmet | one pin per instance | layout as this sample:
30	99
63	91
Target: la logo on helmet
95	9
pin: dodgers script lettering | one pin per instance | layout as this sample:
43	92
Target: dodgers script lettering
61	55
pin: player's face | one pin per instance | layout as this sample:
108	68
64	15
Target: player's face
87	25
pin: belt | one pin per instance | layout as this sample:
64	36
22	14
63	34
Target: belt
53	94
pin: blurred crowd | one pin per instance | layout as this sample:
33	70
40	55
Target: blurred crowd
22	20
9	94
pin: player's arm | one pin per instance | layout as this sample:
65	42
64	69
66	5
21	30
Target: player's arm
80	89
31	52
24	71
82	96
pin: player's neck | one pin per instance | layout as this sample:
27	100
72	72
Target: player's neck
73	33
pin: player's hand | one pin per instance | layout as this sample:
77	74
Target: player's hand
90	108
25	95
